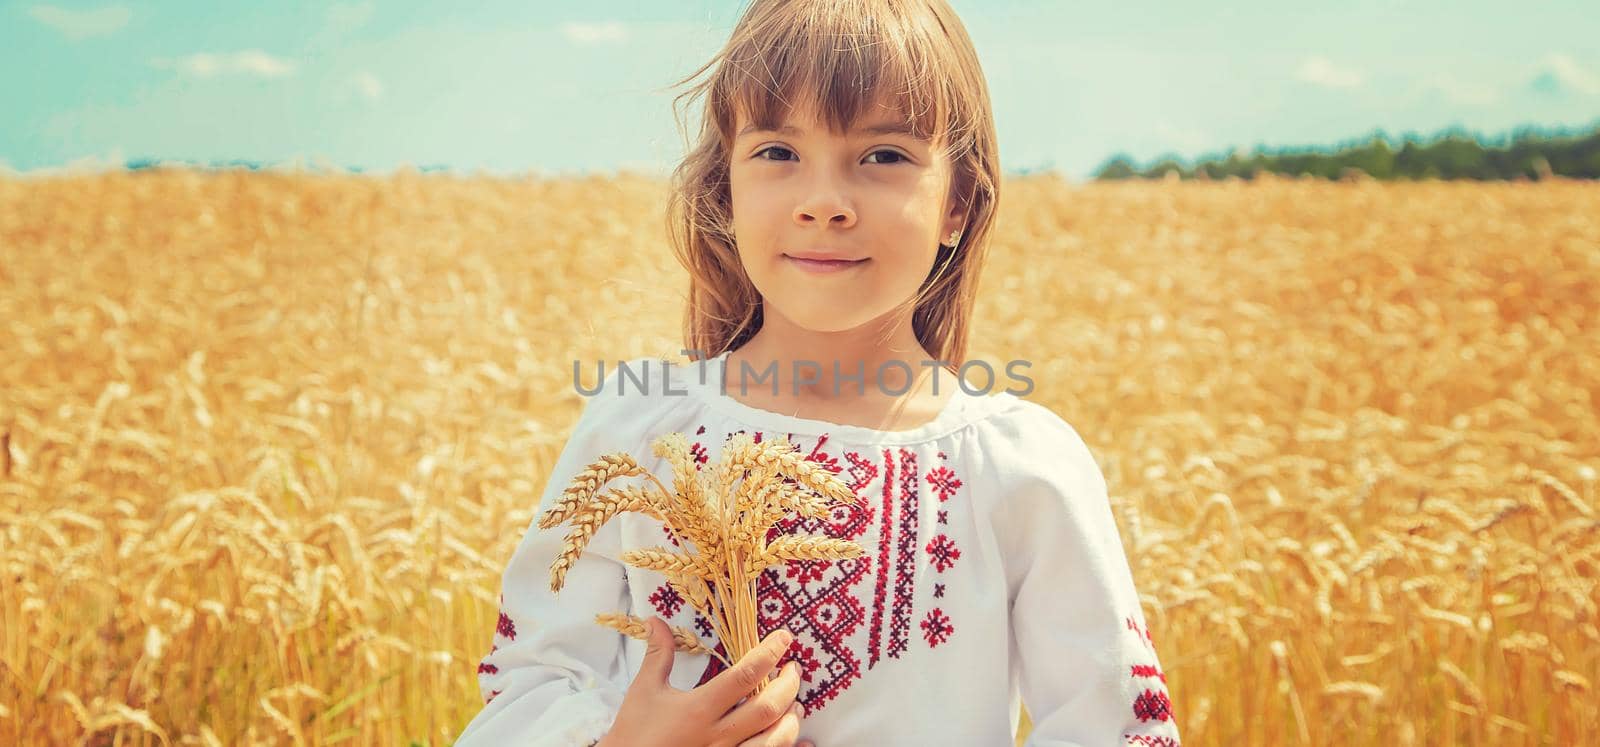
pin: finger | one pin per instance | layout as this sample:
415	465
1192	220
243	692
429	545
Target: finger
726	688
781	733
763	709
658	654
778	683
788	682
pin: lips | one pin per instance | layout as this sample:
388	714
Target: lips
822	254
821	263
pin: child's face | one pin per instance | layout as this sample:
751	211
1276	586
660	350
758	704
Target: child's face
877	197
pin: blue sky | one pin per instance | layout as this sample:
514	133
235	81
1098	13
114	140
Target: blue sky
550	87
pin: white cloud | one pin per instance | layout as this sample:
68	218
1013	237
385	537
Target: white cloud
1559	72
346	16
1322	72
82	24
594	33
248	62
368	85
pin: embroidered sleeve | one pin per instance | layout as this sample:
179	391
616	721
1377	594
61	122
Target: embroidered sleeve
552	676
1084	659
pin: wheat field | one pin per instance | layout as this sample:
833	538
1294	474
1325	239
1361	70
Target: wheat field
267	439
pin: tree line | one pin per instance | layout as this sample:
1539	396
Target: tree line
1527	153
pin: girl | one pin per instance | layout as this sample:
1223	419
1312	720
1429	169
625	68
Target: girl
833	217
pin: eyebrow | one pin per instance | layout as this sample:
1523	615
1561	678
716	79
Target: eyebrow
892	128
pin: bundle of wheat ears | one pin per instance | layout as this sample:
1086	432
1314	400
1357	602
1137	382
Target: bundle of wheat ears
723	513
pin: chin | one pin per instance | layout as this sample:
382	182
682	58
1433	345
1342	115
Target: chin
824	318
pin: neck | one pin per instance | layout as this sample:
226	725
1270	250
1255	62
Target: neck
804	362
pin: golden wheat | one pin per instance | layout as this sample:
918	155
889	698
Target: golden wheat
721	513
589	517
661	560
586	484
204	369
635	627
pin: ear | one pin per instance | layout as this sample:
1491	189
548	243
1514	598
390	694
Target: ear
955	218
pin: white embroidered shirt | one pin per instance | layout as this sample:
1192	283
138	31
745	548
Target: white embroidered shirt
994	575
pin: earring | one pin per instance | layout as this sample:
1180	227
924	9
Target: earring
955	236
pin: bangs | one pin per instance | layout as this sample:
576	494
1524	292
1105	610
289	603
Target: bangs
842	61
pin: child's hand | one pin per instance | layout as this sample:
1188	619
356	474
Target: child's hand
716	714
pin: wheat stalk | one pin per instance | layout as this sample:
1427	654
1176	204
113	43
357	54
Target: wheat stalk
719	517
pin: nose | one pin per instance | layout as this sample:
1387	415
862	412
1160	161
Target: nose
825	204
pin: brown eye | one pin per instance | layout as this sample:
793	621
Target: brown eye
898	158
778	148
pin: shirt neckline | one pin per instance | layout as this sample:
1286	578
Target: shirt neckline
706	381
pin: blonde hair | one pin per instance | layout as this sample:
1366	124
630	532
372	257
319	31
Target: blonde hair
846	54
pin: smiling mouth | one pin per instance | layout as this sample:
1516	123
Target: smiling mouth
826	265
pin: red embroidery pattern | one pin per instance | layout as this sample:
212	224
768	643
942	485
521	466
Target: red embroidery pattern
905	568
1143	632
503	627
805	657
944	482
820	457
1152	704
839	633
822	602
806	570
1146	740
772	611
936	627
667	600
861	472
484	667
887	529
1146	670
944	552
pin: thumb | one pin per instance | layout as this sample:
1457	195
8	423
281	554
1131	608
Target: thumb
658	653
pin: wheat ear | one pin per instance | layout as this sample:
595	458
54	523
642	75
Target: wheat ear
805	547
586	484
661	560
588	520
783	456
698	517
636	627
